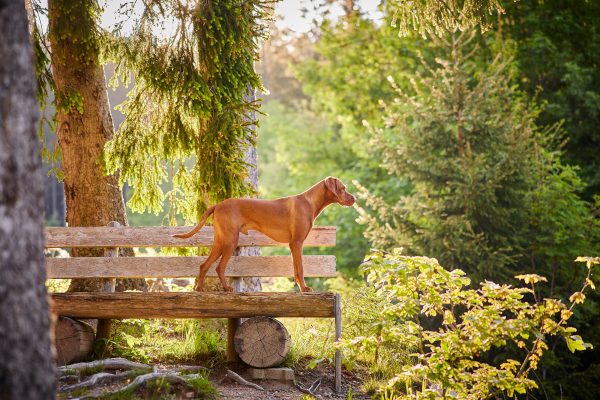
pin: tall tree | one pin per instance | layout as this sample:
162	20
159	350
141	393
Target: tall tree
26	367
189	106
83	122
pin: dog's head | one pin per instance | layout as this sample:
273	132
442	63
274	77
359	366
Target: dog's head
338	191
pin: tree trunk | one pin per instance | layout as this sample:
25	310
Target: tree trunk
84	124
251	284
26	367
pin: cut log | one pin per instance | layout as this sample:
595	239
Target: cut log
192	305
262	342
73	340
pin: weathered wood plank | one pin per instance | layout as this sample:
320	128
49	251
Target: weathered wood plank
182	267
128	236
192	305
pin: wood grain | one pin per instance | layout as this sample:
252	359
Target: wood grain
126	236
183	267
262	342
72	340
192	305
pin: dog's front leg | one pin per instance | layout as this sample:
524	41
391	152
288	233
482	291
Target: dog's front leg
296	248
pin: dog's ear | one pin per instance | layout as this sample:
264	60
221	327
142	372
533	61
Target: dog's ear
331	183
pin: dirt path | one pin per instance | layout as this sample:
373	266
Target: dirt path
230	389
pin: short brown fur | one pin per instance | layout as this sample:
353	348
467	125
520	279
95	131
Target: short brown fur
286	220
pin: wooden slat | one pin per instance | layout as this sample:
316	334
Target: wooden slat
176	267
127	236
192	305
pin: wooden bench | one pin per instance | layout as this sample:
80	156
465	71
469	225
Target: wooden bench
122	305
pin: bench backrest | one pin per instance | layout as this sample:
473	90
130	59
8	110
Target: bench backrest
174	267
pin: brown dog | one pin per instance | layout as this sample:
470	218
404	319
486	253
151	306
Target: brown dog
286	220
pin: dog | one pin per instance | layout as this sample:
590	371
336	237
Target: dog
285	220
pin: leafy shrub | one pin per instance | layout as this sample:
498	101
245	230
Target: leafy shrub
450	327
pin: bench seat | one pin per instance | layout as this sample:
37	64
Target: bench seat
193	305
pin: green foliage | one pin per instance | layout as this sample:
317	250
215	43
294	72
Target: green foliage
450	327
488	185
202	385
432	17
347	85
126	341
77	24
191	105
566	36
168	340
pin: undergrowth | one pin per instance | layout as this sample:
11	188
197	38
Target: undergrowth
169	341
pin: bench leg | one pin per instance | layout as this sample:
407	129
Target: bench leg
232	325
338	336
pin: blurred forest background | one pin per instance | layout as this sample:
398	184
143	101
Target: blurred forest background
477	148
516	190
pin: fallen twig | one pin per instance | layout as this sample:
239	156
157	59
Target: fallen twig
312	390
242	381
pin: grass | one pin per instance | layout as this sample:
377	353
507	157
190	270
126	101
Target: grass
170	341
201	384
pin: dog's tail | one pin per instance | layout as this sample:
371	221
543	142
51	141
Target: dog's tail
191	233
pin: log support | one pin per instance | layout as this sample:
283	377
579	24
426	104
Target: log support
262	342
73	340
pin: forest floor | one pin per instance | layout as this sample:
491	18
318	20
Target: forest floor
226	387
287	391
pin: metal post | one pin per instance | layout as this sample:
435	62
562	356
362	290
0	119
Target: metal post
338	336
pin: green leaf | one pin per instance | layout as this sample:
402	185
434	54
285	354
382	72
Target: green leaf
576	343
531	278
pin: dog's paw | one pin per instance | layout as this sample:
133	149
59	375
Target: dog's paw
198	288
306	289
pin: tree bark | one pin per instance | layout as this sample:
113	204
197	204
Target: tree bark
84	124
26	367
251	284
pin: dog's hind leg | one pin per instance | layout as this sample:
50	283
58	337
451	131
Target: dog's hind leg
227	253
228	249
215	253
